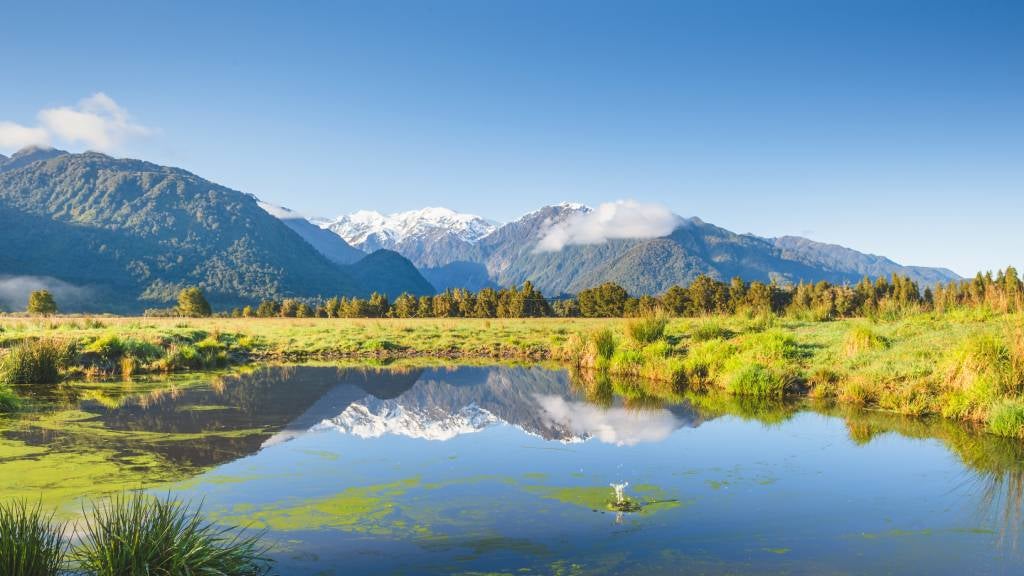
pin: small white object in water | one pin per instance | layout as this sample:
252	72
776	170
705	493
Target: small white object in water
620	491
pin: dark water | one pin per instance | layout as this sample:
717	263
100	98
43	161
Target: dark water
508	470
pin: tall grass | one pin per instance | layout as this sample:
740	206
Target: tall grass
139	534
647	330
36	362
861	338
31	542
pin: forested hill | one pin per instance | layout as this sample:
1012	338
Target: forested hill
133	233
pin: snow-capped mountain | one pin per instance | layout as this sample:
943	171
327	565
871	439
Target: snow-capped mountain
429	237
373	418
371	230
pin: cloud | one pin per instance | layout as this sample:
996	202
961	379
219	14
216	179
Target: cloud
14	291
15	136
625	219
97	122
612	425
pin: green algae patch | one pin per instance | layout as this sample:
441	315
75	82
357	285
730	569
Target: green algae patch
367	509
777	550
602	498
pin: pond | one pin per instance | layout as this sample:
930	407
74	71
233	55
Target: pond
510	470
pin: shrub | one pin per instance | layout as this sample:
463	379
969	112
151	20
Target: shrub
140	534
35	362
1007	419
647	330
31	543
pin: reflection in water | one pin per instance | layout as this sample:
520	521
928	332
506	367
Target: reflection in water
92	437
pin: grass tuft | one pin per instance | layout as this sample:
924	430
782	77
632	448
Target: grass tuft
139	534
31	542
861	338
647	330
1007	419
36	362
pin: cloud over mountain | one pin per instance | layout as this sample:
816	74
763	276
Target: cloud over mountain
97	123
624	219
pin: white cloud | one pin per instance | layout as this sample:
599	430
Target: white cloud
625	219
612	425
15	136
97	122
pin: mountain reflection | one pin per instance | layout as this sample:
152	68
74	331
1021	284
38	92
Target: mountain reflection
171	430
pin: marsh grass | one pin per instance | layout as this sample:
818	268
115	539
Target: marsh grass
138	534
36	362
709	329
31	542
862	338
1007	418
647	330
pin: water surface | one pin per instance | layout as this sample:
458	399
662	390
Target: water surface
509	469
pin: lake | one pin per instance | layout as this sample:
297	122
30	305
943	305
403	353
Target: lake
509	470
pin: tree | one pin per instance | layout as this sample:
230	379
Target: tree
192	303
41	303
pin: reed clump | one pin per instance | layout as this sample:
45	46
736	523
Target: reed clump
139	534
36	362
31	542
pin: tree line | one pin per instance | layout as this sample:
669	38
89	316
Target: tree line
1002	291
704	296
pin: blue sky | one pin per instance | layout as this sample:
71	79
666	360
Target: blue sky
893	127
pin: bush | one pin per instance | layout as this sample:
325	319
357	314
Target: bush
36	362
140	534
31	543
647	330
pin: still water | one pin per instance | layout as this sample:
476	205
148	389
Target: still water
509	470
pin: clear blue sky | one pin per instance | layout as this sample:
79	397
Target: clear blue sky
893	127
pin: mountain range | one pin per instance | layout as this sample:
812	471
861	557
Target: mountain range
131	234
462	250
121	235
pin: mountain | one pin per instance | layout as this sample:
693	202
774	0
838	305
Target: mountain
133	233
334	247
507	255
28	155
429	237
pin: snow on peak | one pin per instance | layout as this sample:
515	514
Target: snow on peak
359	227
376	418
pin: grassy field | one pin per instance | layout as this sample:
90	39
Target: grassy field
966	365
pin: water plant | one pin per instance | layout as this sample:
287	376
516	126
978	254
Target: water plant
135	533
31	542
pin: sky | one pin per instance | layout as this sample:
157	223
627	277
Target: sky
893	127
